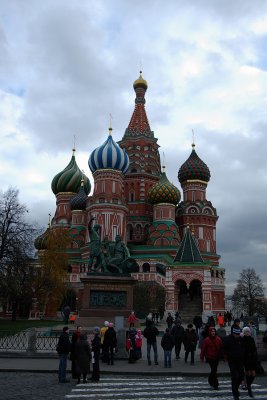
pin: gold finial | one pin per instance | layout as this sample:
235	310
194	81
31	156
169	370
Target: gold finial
193	137
110	124
49	220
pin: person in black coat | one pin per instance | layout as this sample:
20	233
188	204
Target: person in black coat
151	333
63	349
250	358
82	357
167	343
169	320
178	333
233	351
96	347
110	342
190	343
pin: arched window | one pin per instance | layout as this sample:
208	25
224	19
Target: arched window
129	232
146	267
138	230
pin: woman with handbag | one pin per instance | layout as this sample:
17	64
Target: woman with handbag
190	343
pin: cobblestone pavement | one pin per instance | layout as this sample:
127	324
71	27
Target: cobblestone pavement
32	386
40	386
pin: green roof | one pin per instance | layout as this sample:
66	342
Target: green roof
188	251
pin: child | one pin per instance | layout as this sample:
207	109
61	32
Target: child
138	343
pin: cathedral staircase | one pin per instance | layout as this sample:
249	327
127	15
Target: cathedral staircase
189	309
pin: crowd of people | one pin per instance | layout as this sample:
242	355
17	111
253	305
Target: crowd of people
237	348
83	354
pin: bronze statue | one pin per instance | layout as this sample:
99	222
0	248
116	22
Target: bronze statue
108	256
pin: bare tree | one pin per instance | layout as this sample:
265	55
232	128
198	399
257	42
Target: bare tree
249	293
16	249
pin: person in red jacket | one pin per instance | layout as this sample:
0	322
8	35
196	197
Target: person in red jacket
132	318
211	350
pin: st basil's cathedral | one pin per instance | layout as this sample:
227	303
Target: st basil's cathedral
171	237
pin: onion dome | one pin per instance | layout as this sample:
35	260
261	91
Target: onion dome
164	191
109	156
78	201
140	82
69	180
40	242
194	168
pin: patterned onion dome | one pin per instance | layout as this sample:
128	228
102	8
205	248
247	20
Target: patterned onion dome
194	168
164	192
109	156
78	201
140	82
69	180
40	242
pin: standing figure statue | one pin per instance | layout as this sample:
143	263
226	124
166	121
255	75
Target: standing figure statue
96	253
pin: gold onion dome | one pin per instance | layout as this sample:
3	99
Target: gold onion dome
164	192
140	82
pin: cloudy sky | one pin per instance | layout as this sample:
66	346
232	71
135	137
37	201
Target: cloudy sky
65	65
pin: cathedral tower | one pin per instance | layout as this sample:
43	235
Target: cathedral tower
144	170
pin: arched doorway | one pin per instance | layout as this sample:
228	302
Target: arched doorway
195	290
189	299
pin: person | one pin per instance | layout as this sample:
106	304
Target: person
220	319
66	313
102	334
138	343
131	345
253	330
250	357
110	343
157	317
211	351
197	321
75	337
221	332
229	318
96	347
169	320
151	333
153	317
233	351
177	317
211	321
190	343
63	349
178	333
132	318
167	343
82	357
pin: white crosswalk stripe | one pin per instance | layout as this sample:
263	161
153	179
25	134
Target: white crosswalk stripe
158	388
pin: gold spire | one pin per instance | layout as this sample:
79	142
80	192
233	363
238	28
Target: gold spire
110	124
193	137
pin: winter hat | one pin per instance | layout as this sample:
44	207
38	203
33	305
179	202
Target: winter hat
96	329
236	330
106	323
246	329
111	325
65	329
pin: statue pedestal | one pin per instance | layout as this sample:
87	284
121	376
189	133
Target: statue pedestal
105	296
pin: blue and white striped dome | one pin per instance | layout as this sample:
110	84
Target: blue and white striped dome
109	156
